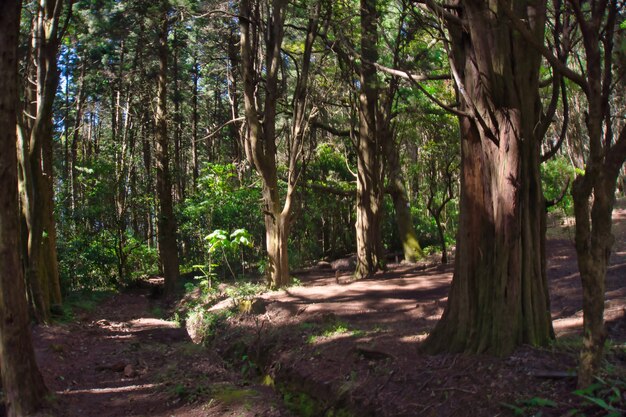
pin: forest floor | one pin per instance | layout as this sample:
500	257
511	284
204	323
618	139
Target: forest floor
334	347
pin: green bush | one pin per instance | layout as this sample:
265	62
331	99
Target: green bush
556	173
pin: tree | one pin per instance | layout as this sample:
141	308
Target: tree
23	385
370	151
593	191
261	146
35	130
168	247
499	296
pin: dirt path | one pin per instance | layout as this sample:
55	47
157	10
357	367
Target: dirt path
332	347
121	360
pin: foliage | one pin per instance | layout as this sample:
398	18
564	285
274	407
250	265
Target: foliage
334	329
556	174
530	406
220	203
606	394
83	301
208	324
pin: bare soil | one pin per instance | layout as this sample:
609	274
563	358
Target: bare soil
332	347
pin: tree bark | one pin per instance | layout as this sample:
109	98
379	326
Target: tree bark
35	161
168	247
22	383
370	190
594	191
261	140
499	296
404	221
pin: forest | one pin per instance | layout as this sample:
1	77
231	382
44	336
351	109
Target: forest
313	208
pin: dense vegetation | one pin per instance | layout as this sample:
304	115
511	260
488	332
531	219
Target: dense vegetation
236	141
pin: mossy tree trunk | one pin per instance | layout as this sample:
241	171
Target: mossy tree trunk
499	298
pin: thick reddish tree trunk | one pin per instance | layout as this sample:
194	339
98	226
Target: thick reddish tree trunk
499	296
23	386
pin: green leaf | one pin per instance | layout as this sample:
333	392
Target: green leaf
599	402
516	410
540	402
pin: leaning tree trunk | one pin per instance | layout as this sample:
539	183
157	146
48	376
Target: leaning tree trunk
499	296
369	189
22	383
168	247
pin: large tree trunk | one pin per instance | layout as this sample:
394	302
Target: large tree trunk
369	188
168	247
499	296
23	386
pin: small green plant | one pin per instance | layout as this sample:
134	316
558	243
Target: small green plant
220	242
530	406
244	291
85	301
335	329
607	394
301	404
248	367
207	324
295	282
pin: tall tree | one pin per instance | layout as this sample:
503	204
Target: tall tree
370	151
168	247
262	134
594	191
35	130
23	386
499	296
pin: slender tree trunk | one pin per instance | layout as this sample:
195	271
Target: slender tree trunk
22	383
369	152
35	158
594	191
168	247
179	171
194	124
410	244
73	172
262	137
499	296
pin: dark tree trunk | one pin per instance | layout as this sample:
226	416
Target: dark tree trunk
370	189
194	124
168	247
499	296
594	191
35	161
23	386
